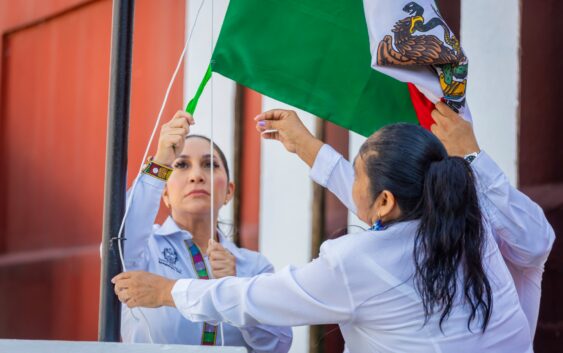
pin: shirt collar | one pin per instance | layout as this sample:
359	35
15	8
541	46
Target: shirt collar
169	227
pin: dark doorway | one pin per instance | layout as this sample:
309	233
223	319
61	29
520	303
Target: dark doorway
540	157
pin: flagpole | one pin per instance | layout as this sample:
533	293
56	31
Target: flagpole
116	166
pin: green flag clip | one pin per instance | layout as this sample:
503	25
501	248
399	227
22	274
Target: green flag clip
190	108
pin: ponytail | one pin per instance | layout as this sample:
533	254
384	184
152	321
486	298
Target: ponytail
451	237
439	191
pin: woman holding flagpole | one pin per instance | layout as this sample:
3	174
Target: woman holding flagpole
427	276
182	247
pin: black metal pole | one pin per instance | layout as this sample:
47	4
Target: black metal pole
116	165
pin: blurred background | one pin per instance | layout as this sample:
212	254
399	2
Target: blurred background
54	80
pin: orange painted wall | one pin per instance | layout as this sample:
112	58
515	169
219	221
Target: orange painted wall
250	171
53	117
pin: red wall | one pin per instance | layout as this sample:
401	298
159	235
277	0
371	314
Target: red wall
53	116
540	154
249	182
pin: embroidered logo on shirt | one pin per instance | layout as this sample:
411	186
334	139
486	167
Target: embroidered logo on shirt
170	259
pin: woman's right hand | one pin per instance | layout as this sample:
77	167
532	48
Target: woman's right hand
172	137
286	127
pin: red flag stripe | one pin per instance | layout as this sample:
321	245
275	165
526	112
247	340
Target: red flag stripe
422	106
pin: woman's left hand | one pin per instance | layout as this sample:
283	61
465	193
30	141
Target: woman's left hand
139	288
223	263
455	133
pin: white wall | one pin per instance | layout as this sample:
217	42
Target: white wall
490	37
197	61
286	197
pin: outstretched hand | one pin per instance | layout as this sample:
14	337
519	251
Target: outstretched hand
286	127
140	288
455	133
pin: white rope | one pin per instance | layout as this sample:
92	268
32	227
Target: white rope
156	125
155	128
211	149
214	234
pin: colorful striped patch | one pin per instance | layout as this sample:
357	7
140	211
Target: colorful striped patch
209	334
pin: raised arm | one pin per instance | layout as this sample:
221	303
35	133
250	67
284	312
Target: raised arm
520	228
525	237
328	167
334	172
143	206
523	233
141	213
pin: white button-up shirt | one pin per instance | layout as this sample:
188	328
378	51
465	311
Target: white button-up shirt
363	282
162	250
523	234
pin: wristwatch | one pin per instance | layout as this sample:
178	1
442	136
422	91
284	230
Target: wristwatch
471	156
156	170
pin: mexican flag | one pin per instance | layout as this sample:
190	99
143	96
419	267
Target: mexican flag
360	65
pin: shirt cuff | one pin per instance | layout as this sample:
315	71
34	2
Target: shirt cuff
152	181
324	164
180	295
487	172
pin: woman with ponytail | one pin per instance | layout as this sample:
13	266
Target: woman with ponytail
427	276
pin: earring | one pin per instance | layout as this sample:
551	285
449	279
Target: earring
378	225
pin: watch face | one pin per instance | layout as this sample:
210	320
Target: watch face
470	158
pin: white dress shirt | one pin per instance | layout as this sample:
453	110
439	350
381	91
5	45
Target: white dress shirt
518	224
162	250
363	282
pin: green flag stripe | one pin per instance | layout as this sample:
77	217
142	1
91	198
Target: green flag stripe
314	55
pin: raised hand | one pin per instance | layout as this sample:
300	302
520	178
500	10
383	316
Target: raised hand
172	137
455	133
286	127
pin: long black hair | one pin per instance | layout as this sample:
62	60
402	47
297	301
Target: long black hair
439	191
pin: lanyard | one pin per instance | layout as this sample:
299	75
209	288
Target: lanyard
209	333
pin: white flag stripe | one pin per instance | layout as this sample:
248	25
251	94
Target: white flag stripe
410	42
